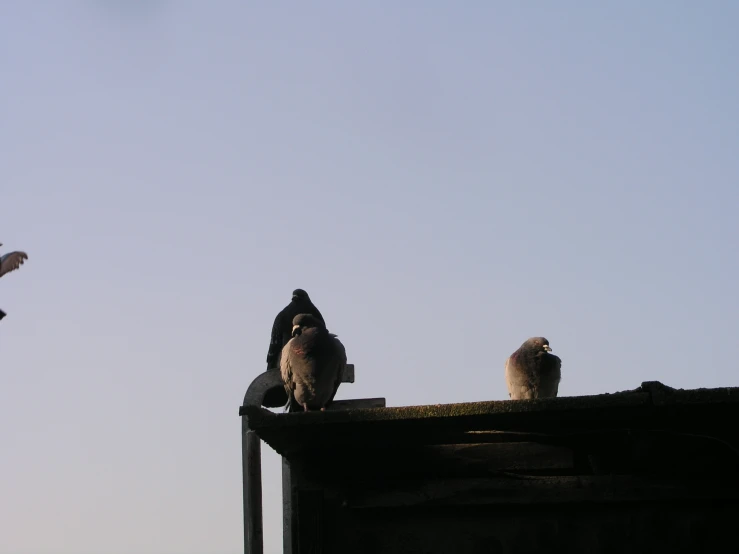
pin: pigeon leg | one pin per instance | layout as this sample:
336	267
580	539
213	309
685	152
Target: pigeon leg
305	408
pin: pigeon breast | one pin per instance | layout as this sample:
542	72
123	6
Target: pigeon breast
532	373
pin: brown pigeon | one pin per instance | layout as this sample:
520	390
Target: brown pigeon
11	261
532	372
283	326
311	365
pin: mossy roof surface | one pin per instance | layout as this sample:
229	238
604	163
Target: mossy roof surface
424	423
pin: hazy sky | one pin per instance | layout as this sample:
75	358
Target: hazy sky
445	179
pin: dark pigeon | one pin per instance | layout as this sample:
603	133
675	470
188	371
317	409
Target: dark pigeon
532	372
312	365
283	326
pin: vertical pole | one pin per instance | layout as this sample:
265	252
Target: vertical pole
289	527
251	453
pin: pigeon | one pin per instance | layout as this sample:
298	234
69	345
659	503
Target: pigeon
11	261
532	372
283	326
311	365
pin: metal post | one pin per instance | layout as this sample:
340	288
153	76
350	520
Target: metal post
288	509
251	460
252	470
266	390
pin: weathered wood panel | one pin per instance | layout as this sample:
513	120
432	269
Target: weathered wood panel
652	470
512	489
674	527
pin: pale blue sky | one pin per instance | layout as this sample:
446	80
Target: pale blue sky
445	179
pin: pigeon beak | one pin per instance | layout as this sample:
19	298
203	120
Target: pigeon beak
295	328
547	348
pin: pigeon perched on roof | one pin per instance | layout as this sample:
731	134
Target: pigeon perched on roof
283	326
311	365
532	372
11	261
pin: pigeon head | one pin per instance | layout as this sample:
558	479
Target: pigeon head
300	294
301	322
536	344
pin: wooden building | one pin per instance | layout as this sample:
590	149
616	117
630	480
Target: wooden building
648	470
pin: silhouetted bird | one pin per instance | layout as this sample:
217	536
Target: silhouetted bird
532	372
283	325
10	262
312	365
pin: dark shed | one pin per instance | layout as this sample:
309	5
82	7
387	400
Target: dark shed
648	470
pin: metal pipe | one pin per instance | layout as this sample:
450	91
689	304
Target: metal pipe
252	474
251	453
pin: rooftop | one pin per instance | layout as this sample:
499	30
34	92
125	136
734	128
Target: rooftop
556	420
652	469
